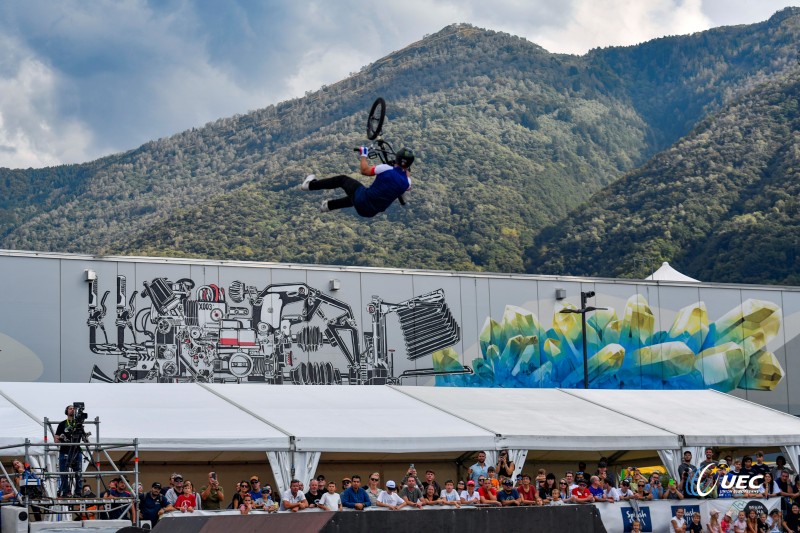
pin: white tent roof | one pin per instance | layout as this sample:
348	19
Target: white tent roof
711	419
162	416
667	273
547	419
365	419
192	417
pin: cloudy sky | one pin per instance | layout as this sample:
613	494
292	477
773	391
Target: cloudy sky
79	80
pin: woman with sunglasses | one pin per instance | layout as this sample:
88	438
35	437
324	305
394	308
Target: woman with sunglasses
641	492
564	493
373	490
238	498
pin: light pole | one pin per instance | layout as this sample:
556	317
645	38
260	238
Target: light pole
583	310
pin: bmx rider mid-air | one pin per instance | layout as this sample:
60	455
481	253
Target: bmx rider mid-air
391	181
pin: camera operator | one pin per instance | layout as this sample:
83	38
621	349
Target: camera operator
70	458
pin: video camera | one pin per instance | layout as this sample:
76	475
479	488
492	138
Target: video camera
79	414
76	431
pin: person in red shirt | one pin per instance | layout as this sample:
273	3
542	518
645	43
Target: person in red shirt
581	494
187	502
488	493
530	496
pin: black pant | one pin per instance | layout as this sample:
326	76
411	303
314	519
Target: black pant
346	183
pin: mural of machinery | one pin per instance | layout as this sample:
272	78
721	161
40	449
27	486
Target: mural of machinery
252	335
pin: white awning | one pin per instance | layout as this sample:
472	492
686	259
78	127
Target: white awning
546	419
364	419
703	417
394	419
169	417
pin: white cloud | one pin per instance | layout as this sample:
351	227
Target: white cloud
607	23
31	134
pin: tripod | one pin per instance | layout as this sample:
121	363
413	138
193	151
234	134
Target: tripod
71	460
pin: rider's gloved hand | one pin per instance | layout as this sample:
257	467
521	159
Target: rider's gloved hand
364	151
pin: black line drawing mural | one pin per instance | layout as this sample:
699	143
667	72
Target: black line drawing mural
250	335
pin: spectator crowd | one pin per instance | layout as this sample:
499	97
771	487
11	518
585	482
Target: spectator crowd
484	485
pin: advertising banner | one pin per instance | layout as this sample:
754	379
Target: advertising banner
654	516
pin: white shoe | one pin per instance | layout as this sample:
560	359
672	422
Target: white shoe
307	182
323	208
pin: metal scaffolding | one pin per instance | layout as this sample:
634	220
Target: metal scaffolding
39	489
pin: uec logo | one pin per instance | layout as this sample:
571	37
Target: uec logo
737	484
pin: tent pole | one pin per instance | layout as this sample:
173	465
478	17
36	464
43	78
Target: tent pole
292	449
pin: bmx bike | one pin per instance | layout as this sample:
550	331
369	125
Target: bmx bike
380	148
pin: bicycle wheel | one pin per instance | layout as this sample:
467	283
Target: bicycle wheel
375	121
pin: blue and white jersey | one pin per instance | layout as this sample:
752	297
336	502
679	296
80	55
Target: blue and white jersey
390	183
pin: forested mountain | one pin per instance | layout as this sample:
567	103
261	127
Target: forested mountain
724	202
509	139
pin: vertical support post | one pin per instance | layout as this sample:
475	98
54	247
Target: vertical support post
136	482
292	448
585	354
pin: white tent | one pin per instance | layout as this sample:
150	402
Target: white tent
172	417
543	419
363	419
667	273
294	424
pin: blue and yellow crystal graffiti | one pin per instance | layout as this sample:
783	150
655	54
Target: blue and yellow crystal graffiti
626	353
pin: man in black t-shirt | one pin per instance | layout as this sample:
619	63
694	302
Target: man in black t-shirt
314	494
760	468
686	470
70	458
430	479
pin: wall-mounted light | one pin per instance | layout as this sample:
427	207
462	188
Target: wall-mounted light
90	275
561	294
335	285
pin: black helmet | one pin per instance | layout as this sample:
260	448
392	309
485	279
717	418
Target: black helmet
404	157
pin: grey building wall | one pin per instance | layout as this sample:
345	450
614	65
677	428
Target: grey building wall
191	320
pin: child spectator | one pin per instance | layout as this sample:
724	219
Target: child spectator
713	522
492	474
247	504
331	501
389	498
694	525
449	496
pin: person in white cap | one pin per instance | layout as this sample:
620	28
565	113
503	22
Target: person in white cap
713	525
389	498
